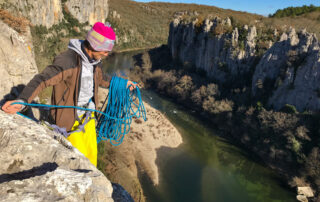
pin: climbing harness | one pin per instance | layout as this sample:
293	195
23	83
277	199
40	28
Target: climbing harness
114	122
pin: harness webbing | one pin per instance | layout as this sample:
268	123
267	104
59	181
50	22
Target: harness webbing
114	122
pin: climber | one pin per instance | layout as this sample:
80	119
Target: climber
75	76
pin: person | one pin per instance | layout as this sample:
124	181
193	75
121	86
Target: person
75	76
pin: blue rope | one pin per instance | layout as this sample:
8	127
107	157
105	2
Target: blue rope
114	122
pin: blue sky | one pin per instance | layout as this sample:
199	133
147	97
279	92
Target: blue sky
262	7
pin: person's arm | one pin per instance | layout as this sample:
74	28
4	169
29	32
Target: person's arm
51	75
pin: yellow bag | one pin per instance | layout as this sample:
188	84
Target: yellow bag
86	142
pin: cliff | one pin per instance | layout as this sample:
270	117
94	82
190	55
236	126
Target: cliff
17	64
279	67
214	46
50	12
40	165
292	65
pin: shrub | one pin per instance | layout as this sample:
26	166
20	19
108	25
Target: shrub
167	81
221	29
215	107
212	90
198	95
199	24
295	145
289	109
277	121
294	11
184	87
19	24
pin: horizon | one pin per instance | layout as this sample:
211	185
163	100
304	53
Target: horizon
264	8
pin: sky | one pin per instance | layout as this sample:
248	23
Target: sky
262	7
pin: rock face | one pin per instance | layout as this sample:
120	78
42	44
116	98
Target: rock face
89	10
40	165
17	64
292	64
214	46
46	12
50	12
288	72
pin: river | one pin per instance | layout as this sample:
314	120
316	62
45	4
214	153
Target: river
205	167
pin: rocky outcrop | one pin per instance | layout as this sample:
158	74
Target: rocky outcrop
90	11
50	12
139	153
46	13
287	72
17	64
37	164
214	46
292	66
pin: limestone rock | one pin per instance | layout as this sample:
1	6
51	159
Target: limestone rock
302	198
40	165
293	63
307	191
49	12
214	49
45	12
17	64
89	10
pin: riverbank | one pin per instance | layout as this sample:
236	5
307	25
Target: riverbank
139	151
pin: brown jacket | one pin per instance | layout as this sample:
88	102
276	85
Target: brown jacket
65	77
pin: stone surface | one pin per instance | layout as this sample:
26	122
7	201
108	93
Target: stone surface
218	54
307	191
45	12
17	64
293	63
302	198
40	165
289	69
49	12
90	11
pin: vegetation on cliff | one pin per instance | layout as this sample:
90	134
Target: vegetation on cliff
294	11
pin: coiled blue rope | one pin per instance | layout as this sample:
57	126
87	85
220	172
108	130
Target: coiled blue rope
122	106
114	122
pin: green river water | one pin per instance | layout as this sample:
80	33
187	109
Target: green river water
205	167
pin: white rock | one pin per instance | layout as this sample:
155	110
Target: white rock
306	191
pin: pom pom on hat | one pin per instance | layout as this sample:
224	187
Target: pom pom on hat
101	37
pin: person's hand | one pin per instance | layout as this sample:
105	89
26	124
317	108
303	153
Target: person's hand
11	109
132	85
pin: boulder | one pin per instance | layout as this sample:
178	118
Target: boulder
37	164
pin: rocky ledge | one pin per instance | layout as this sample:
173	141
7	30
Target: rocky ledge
37	164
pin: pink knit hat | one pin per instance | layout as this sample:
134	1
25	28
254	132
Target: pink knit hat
101	37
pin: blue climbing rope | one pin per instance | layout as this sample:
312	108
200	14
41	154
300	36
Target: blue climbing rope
123	104
114	122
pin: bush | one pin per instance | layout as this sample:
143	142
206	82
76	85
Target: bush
166	82
289	109
294	11
19	24
184	87
278	122
221	29
198	95
215	107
